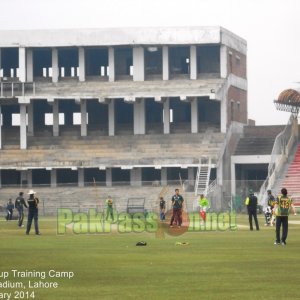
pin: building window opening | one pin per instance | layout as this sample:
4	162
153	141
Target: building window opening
102	71
44	72
62	72
49	119
208	60
170	115
77	118
153	63
16	119
96	62
232	110
124	63
12	73
179	62
238	104
73	74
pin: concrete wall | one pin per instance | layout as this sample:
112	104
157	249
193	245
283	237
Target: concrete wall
238	98
236	63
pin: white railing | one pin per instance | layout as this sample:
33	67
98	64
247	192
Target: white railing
283	146
211	186
14	89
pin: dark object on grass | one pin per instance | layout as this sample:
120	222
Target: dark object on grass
141	243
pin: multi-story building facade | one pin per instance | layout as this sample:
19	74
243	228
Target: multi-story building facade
130	104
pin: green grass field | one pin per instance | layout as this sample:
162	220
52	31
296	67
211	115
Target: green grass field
232	264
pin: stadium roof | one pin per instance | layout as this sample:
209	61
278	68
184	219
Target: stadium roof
122	36
288	100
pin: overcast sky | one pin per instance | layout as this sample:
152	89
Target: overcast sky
270	27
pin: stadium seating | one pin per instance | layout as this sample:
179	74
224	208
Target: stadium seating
291	180
71	149
258	140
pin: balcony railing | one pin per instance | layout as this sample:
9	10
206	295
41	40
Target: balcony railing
9	89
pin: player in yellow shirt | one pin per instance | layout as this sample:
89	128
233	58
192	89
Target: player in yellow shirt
282	208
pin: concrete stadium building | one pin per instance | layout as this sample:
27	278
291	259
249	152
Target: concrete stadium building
141	106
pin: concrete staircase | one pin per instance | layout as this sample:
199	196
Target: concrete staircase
202	179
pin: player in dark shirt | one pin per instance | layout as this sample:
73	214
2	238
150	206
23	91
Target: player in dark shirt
19	205
251	202
162	209
177	202
9	208
33	212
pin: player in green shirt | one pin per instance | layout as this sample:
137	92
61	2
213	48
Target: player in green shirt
109	208
204	206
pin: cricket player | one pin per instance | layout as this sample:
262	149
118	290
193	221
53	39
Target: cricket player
204	206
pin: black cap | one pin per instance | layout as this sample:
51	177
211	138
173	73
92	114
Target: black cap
284	191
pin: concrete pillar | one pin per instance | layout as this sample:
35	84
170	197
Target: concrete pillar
83	112
81	63
223	62
220	172
29	63
164	176
23	178
80	177
30	119
0	127
194	115
53	175
233	186
138	64
29	179
193	62
165	61
108	177
55	118
136	177
224	112
111	63
139	116
167	116
23	127
55	70
111	118
22	64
